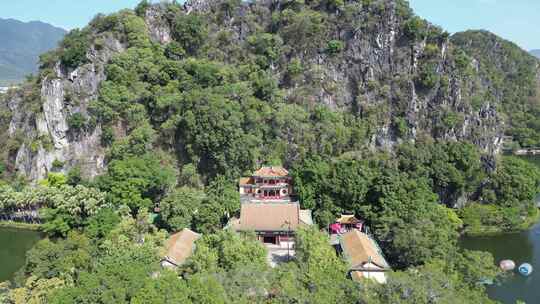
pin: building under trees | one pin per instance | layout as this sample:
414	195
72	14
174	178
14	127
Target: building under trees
268	207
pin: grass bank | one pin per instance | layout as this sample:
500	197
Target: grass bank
484	230
16	225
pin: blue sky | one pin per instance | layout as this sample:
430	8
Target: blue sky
516	20
67	14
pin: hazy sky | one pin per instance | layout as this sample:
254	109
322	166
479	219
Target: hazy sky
516	20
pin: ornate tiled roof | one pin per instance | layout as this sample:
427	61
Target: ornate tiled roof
348	219
269	217
246	181
271	172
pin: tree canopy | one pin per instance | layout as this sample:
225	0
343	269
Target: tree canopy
239	86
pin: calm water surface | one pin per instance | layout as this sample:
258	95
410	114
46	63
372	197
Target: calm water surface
521	247
14	244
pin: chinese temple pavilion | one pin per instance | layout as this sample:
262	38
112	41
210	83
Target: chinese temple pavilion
267	207
267	183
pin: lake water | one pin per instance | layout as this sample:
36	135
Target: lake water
521	247
14	243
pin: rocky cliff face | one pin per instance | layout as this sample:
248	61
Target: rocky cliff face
158	26
379	72
48	140
376	60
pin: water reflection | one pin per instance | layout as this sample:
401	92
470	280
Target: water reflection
520	247
14	244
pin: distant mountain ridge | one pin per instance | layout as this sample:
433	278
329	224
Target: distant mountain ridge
22	43
535	53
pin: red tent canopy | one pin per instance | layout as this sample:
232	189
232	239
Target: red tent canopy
335	228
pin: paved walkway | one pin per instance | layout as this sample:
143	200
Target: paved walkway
277	255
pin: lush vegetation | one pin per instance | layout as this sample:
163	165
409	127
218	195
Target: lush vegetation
507	200
403	198
116	267
181	122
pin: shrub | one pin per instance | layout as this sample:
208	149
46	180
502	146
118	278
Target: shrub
477	101
452	119
57	164
462	60
54	180
74	176
304	30
104	23
295	67
42	141
141	8
74	48
415	28
107	136
48	59
266	44
175	51
428	76
135	30
190	31
335	46
403	10
336	3
401	126
431	50
76	122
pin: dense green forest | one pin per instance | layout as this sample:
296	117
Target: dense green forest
514	83
181	121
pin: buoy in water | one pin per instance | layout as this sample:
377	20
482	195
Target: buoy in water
507	265
525	269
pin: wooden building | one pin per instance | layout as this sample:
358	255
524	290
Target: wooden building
345	223
274	223
267	183
267	207
364	256
179	247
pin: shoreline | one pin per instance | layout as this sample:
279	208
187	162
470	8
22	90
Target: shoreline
488	231
21	226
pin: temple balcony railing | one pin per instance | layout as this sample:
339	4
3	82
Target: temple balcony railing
262	185
247	198
275	186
